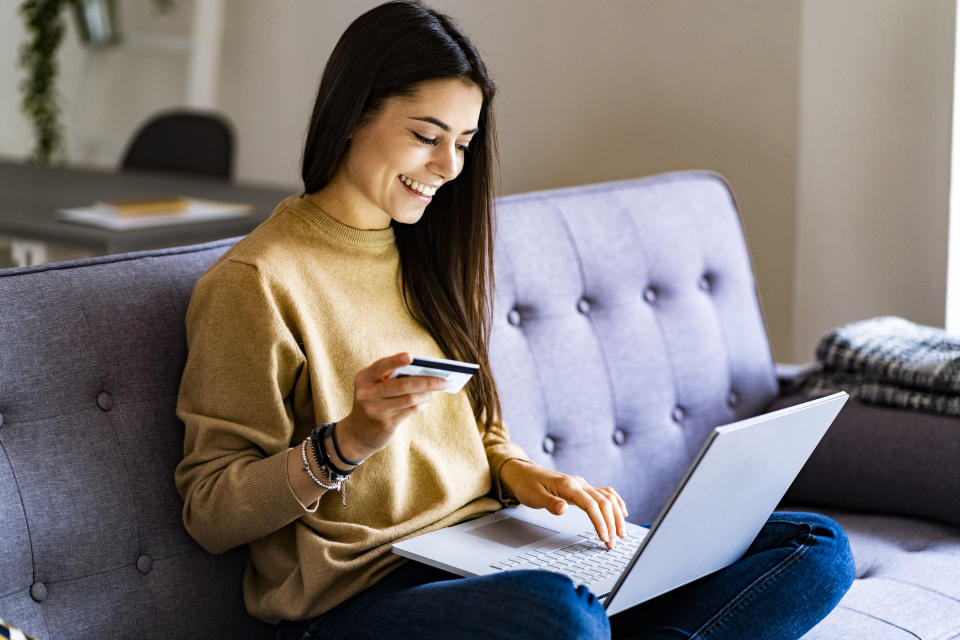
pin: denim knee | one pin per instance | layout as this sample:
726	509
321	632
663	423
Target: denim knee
832	548
559	608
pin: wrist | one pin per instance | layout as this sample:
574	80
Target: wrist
508	473
349	446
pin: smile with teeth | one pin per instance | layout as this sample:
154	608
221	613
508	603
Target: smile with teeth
416	186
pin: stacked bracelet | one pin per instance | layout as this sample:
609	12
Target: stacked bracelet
335	484
334	481
318	436
334	477
336	446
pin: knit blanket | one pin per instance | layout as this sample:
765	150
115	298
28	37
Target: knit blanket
891	361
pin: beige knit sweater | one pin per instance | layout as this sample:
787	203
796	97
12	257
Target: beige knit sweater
276	330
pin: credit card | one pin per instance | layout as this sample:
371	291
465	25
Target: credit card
456	373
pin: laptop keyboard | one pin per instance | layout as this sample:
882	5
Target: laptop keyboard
587	561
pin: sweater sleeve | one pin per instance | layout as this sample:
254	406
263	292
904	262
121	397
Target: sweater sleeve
499	449
242	365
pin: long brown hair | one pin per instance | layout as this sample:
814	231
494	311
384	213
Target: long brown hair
447	257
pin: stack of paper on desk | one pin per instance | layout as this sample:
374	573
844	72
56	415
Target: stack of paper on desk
143	214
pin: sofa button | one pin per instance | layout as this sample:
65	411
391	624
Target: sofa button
619	437
583	306
733	399
650	295
549	445
144	564
38	591
104	401
705	283
678	414
514	317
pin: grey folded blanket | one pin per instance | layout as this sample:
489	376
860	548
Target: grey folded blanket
890	361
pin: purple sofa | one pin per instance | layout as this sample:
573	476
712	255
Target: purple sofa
627	325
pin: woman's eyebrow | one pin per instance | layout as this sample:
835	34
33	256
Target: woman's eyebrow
442	125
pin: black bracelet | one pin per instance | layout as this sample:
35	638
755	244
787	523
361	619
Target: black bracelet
317	437
336	447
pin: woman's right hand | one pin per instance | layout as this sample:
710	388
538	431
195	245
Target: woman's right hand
381	404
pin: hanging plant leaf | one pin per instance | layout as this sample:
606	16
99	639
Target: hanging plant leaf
45	26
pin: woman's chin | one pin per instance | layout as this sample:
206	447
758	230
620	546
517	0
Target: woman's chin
408	217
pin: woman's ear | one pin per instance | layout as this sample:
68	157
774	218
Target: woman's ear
362	123
353	131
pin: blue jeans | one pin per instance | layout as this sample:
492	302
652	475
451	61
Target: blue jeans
790	578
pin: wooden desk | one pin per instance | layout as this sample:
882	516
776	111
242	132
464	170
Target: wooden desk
30	195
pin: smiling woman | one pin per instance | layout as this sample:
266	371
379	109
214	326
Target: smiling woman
385	253
289	392
396	161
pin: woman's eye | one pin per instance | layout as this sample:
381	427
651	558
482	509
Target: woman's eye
424	139
433	141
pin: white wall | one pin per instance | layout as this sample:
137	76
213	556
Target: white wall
105	93
14	134
830	119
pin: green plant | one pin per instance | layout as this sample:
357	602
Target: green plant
45	26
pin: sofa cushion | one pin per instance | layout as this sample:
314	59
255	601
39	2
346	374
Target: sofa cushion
883	459
626	326
906	580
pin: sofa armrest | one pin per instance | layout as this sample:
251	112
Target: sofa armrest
790	377
884	459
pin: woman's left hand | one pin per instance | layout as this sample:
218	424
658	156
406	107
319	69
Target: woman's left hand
541	488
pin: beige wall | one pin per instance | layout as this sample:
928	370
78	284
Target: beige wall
874	163
623	90
828	118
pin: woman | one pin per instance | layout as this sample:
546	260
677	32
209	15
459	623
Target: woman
387	253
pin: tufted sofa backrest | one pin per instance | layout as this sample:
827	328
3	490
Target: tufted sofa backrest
626	326
93	545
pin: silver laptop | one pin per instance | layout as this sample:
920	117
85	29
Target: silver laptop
716	511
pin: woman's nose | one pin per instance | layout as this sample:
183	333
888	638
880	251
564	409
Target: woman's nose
446	161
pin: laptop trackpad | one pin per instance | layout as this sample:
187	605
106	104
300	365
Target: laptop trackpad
512	532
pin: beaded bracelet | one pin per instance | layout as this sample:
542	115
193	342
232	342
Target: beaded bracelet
337	482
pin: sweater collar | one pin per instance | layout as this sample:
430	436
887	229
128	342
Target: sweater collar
336	229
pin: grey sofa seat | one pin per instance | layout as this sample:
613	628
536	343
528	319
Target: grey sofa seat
904	464
908	580
626	325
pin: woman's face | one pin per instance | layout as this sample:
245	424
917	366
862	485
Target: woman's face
419	139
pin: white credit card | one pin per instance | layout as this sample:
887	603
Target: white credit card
456	373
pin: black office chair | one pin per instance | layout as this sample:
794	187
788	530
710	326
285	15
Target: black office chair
183	142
